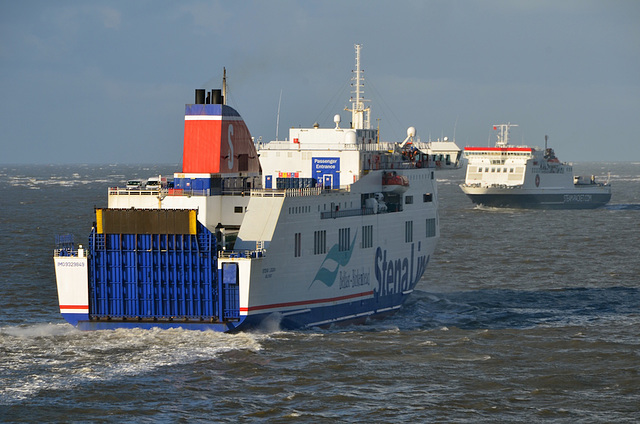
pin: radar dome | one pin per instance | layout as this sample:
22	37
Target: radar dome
336	119
350	137
411	132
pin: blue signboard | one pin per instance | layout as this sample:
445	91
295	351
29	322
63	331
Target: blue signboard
327	171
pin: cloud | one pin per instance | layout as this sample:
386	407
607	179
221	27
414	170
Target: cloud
209	17
111	18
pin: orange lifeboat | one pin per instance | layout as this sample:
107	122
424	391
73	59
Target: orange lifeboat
392	182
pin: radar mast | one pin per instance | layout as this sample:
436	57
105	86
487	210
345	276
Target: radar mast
360	118
503	134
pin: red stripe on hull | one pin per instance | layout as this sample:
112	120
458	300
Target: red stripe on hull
498	149
306	302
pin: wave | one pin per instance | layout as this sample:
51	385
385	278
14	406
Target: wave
502	309
623	207
41	357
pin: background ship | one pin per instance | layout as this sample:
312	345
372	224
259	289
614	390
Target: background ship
526	177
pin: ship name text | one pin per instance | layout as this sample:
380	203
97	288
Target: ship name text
355	278
577	198
397	275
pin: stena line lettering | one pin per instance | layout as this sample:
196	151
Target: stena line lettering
397	275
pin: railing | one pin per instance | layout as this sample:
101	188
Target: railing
346	213
493	185
288	192
135	191
383	146
64	246
230	254
176	192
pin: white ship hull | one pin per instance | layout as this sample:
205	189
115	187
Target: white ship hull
580	197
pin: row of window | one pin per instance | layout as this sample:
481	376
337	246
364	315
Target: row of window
497	170
496	153
307	209
344	238
408	200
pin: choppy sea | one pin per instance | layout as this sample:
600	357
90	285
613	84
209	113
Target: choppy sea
522	316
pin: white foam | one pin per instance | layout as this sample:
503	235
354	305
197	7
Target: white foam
57	356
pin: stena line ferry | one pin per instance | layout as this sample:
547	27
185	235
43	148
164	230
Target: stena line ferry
330	226
527	177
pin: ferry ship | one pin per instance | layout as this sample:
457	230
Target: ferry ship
527	177
331	226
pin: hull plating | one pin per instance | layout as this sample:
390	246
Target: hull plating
541	201
345	313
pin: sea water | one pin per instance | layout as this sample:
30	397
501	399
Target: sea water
521	316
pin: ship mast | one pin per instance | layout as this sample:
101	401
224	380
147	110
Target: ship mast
359	114
224	86
503	135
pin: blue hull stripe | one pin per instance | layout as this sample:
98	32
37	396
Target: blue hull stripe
346	312
542	201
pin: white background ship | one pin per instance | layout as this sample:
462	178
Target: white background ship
527	177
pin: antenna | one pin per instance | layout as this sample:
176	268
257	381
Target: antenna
359	114
503	136
278	117
454	128
224	86
545	142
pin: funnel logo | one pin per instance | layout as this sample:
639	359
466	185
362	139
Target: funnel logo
332	262
229	134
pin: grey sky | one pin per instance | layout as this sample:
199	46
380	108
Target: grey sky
106	82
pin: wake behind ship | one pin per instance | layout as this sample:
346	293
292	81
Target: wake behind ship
332	225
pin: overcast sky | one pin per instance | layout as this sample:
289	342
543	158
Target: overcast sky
107	81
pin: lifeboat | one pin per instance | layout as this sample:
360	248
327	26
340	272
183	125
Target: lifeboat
394	183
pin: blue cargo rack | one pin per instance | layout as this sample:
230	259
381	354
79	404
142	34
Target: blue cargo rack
155	276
